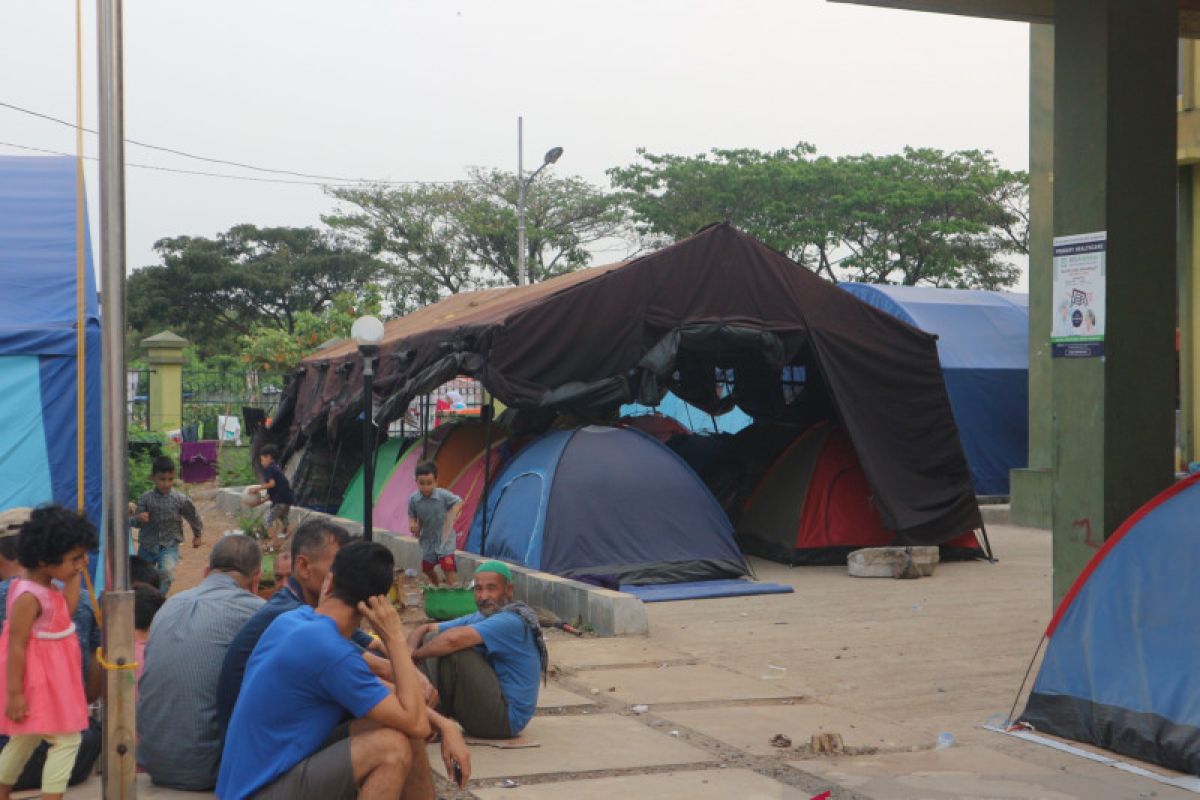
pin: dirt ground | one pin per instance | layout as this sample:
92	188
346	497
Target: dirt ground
729	697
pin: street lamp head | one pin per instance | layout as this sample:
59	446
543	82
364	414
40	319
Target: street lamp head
552	155
367	331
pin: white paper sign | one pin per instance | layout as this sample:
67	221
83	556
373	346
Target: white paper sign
1078	299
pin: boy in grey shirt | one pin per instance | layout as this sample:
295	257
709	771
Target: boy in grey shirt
431	515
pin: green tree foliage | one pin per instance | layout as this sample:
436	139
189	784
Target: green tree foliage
269	347
444	238
918	217
213	290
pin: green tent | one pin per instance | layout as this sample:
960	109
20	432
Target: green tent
386	458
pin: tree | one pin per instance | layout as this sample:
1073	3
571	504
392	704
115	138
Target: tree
922	216
269	347
670	197
444	238
213	290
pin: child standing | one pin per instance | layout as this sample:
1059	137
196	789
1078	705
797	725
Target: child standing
279	491
160	514
431	515
41	652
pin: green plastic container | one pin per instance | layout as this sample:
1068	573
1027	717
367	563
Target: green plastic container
443	603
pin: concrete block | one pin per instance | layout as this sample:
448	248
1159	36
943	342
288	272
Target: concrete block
995	513
886	562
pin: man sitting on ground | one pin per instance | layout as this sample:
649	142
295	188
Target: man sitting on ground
180	739
314	546
286	739
485	666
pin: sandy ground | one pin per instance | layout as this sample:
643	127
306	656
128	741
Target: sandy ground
736	689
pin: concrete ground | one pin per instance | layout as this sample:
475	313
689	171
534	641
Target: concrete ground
886	664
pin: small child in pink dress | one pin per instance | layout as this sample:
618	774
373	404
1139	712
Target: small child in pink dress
40	651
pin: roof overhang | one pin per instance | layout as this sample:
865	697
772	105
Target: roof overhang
1041	11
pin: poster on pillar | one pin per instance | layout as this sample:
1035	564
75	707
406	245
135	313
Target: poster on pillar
1078	301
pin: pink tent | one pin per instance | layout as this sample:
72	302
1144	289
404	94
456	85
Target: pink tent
469	486
454	447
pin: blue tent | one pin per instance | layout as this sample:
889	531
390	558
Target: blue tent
38	348
983	344
608	503
1119	670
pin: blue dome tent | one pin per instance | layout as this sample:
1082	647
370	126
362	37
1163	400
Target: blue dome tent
38	347
1119	667
983	345
607	503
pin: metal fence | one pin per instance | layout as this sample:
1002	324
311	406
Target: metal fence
207	394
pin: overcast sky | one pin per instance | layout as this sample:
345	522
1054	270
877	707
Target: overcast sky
397	90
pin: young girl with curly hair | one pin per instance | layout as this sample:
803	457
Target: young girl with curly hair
40	652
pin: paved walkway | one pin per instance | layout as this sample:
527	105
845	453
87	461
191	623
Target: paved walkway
887	665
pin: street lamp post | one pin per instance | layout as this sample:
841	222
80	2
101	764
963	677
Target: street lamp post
368	333
552	155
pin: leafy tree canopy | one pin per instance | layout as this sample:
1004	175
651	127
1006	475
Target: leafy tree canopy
918	217
440	239
269	347
213	290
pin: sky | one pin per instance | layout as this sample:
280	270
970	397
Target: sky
403	90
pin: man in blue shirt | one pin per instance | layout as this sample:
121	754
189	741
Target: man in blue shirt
285	737
314	546
485	666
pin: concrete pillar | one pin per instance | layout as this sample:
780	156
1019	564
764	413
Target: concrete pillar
1033	488
164	352
1189	252
1114	170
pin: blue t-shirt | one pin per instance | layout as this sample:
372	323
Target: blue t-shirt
282	493
511	650
300	681
233	669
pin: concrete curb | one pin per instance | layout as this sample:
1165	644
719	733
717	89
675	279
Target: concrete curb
998	514
609	613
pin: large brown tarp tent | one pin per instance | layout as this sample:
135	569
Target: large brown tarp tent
720	319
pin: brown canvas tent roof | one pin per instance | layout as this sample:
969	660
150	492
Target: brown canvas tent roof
718	300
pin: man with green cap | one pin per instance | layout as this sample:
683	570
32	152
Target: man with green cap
486	665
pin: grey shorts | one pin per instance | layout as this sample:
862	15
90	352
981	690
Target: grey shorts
327	774
279	512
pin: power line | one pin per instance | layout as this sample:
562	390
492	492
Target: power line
171	169
323	179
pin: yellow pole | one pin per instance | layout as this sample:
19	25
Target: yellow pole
80	275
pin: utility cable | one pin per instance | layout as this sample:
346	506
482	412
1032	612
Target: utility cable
322	179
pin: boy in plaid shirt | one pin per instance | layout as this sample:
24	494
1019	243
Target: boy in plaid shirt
160	514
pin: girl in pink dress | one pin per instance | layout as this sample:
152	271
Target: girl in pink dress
40	651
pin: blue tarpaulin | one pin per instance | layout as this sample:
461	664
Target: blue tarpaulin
38	346
983	345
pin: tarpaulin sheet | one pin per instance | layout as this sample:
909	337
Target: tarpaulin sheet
38	324
591	340
703	590
983	345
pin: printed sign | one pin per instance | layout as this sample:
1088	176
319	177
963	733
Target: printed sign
1078	300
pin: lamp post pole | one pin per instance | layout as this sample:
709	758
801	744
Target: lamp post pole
368	333
368	355
552	155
